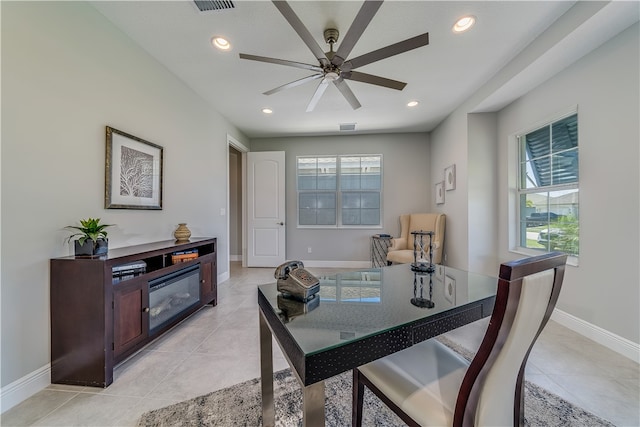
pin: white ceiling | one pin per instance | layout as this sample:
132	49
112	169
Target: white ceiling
440	76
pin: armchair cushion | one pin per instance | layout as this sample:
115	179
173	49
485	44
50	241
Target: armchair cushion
401	249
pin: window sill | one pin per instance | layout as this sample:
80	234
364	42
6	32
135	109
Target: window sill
571	260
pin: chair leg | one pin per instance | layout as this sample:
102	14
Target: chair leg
518	403
358	400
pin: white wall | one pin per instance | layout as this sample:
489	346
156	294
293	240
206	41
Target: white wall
604	290
406	188
66	74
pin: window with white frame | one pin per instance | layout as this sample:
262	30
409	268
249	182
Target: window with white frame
548	187
339	191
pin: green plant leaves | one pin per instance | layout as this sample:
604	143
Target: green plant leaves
90	229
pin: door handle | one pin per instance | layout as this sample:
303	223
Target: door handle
280	223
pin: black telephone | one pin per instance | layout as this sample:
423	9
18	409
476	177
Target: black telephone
295	281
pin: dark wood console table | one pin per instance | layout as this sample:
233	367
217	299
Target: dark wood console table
97	321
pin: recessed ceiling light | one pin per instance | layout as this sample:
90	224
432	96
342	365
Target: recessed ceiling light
221	43
267	110
464	23
412	103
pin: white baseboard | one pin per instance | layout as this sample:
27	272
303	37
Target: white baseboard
224	276
337	264
25	387
235	257
612	341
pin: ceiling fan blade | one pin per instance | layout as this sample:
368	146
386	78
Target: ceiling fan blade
281	62
385	52
347	93
360	23
302	31
374	80
317	95
294	84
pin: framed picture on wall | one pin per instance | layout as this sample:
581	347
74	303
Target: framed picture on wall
450	178
440	193
133	172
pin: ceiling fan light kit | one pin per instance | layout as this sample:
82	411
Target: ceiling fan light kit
335	67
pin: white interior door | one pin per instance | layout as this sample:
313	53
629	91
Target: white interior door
265	209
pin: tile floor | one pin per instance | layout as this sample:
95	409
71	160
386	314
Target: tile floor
218	347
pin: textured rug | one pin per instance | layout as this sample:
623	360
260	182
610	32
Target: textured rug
240	405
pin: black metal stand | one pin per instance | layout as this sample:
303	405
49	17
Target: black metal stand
418	297
422	265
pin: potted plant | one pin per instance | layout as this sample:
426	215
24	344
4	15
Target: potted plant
92	237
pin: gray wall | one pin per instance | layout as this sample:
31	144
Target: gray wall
604	289
605	86
406	188
66	74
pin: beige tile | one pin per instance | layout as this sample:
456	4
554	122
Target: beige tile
230	340
184	339
604	397
87	409
203	373
143	372
37	406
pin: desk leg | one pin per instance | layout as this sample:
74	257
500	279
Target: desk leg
266	374
313	405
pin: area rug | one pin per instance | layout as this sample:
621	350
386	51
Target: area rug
240	405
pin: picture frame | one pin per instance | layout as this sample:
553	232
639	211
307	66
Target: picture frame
450	178
133	172
440	193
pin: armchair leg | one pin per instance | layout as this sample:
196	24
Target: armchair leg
358	400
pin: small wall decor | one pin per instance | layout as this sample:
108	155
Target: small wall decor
133	172
450	178
440	193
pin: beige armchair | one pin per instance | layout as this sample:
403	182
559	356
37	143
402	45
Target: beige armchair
401	249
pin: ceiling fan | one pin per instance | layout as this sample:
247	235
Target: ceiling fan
334	67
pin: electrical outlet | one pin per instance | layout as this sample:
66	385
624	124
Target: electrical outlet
309	250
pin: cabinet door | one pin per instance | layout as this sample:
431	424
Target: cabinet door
208	279
130	314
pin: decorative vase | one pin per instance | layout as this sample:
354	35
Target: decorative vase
91	248
182	233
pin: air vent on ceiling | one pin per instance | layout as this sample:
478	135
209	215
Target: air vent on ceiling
347	126
208	5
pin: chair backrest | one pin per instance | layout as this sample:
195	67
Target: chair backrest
492	391
426	222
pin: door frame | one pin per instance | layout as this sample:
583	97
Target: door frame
233	142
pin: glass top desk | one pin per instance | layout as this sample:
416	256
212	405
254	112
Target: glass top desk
361	316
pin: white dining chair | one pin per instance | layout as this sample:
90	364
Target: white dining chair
429	384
